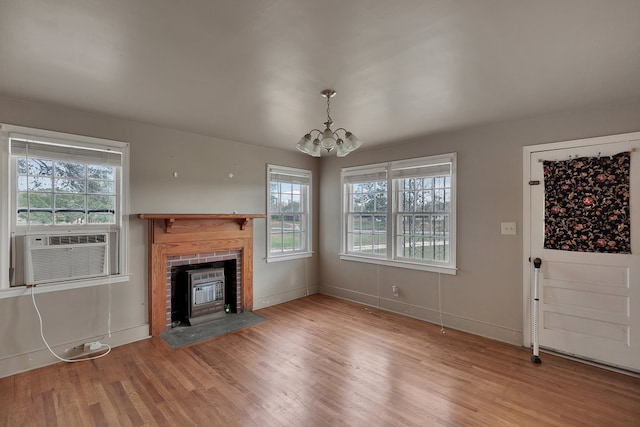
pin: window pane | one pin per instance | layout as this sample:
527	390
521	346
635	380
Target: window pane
35	167
70	201
70	185
357	203
70	217
100	203
103	187
275	202
276	243
440	249
34	183
285	187
357	246
428	201
381	202
106	173
285	200
380	242
356	223
22	218
101	218
276	222
40	218
35	200
296	203
70	170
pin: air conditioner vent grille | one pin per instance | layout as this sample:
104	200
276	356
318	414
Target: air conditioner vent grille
68	263
55	258
77	239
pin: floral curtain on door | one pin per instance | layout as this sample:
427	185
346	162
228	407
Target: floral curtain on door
587	204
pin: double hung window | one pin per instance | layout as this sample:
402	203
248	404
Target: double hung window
401	213
58	185
63	186
289	218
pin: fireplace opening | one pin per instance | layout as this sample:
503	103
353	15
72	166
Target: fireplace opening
203	292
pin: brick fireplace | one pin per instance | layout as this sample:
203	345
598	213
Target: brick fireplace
196	237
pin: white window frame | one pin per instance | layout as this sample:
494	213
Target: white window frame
304	177
393	171
9	229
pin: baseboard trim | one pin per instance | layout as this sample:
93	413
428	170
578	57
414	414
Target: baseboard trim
465	324
279	298
37	359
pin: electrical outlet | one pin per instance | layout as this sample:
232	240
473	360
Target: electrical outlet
92	346
508	228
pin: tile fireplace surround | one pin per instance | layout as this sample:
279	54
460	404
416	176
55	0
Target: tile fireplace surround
172	235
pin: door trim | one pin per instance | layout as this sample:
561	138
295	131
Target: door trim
527	269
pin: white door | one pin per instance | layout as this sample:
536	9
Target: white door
589	302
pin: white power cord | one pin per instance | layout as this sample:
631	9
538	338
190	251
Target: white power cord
33	298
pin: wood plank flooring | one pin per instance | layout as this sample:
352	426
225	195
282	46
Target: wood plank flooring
321	361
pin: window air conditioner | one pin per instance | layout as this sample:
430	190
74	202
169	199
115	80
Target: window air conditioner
57	258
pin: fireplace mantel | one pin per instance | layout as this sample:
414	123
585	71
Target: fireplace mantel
181	234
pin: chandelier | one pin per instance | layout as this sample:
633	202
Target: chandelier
316	140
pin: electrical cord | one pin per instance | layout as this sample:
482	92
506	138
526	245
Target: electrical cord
33	298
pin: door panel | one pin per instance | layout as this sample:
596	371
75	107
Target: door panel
589	302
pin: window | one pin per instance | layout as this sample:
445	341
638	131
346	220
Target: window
62	192
366	212
63	184
289	217
401	213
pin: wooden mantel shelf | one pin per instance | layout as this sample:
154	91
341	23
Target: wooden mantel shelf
180	234
170	219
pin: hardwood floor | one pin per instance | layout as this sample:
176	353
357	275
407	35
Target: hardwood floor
321	361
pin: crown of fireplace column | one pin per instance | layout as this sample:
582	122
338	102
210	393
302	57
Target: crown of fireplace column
181	234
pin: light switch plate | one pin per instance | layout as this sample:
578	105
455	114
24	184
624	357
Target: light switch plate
509	228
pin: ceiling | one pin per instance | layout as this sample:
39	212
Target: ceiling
252	70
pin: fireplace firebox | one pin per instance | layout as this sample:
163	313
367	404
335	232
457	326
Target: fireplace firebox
203	291
205	295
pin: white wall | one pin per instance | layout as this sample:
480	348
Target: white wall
485	297
203	185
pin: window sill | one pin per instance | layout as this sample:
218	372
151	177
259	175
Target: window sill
399	264
298	255
41	289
